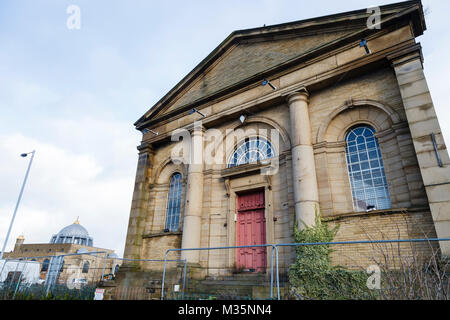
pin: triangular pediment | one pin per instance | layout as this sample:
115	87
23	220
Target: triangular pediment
248	59
248	54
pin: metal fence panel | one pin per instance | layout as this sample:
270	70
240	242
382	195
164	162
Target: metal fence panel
356	270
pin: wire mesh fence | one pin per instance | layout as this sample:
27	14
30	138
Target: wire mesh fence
70	276
354	270
412	269
143	279
227	273
369	270
214	282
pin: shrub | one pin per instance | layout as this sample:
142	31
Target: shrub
312	275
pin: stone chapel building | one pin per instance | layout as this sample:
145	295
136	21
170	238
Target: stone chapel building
358	141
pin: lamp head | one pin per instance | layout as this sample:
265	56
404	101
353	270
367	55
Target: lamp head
196	111
148	130
267	82
363	43
24	155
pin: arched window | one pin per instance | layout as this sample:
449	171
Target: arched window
45	265
174	203
86	267
251	150
366	170
116	269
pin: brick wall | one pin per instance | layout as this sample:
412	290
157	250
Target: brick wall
382	226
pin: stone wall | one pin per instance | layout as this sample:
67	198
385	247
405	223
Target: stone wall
367	96
374	99
155	247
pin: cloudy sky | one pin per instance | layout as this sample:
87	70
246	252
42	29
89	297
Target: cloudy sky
73	95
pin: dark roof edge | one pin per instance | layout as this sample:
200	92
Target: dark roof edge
397	5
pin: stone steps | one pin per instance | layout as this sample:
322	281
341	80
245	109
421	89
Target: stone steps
236	283
236	286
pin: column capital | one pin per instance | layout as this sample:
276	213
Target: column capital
196	128
299	94
145	148
405	56
197	132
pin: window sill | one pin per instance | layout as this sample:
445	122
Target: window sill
371	213
161	234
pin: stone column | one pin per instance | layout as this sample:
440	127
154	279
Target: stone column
194	198
423	122
139	203
306	192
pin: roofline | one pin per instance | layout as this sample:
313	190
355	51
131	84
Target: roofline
403	4
278	29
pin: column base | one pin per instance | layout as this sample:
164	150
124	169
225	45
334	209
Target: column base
192	257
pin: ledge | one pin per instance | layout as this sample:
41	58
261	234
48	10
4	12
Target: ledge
376	212
161	234
244	170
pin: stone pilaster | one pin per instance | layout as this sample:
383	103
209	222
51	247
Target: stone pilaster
194	198
306	194
423	123
139	203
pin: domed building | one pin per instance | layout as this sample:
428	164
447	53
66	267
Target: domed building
73	234
83	263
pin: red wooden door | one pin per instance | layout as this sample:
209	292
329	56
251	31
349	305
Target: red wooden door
251	230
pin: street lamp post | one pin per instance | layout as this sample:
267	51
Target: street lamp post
24	155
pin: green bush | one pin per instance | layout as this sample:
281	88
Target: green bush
313	277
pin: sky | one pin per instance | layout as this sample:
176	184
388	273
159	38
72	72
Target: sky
73	95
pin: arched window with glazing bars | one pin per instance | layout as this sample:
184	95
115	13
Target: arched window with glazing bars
251	150
366	170
174	204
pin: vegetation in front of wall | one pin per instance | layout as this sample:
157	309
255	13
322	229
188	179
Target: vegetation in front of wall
313	277
38	292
